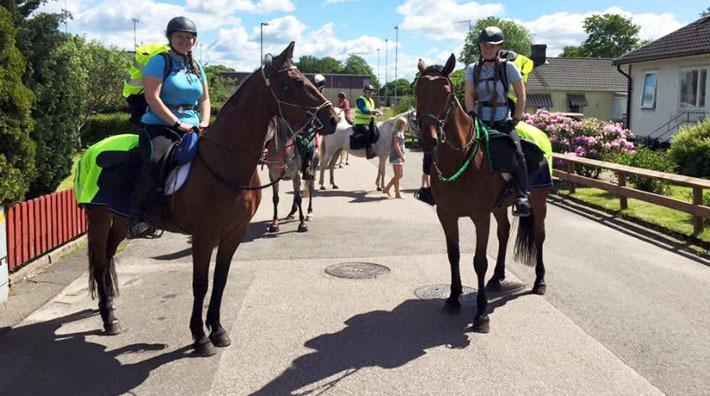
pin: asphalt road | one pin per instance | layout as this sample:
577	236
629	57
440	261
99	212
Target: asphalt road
626	312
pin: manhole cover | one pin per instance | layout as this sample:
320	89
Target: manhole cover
357	270
442	292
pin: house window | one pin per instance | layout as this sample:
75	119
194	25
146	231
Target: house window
648	97
576	101
692	88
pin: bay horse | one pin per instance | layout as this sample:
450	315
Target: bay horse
333	145
221	194
284	160
466	187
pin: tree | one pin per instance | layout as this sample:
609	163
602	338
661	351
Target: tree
705	13
610	36
52	76
217	85
311	64
517	38
17	151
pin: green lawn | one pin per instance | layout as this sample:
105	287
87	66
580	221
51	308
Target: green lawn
668	219
69	181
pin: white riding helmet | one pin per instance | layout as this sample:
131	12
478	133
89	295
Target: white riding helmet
319	81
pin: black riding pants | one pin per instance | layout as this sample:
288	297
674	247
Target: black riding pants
521	172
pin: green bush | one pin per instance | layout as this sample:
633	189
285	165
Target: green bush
647	159
690	150
101	126
405	103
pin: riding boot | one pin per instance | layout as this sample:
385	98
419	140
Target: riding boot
142	191
521	206
369	147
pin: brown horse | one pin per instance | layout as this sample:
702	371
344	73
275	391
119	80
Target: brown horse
466	187
221	194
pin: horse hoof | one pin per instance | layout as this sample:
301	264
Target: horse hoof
302	228
379	189
452	308
112	328
335	187
204	347
539	289
308	218
220	338
493	285
272	228
481	324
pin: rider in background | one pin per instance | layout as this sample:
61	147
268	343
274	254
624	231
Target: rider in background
176	105
344	105
309	144
485	94
365	118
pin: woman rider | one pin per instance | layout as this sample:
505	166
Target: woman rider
177	104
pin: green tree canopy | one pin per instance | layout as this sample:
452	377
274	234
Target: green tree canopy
311	64
219	93
610	36
17	151
517	38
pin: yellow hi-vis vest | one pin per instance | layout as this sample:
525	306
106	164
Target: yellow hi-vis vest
360	117
525	66
133	85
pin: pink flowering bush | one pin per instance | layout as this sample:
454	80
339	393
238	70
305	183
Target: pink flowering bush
589	138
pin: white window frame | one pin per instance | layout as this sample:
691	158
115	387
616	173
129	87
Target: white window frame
651	104
696	106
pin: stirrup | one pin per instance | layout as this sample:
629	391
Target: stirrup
522	208
144	230
370	153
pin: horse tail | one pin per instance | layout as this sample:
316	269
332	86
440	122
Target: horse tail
525	251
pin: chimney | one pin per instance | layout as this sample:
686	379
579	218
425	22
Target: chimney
538	54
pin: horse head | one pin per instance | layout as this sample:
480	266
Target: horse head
295	98
435	98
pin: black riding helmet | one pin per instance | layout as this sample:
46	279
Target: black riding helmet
341	95
181	24
369	87
491	35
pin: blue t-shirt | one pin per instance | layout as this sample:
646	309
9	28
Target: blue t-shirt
181	87
484	90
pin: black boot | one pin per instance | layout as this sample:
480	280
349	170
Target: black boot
138	227
370	152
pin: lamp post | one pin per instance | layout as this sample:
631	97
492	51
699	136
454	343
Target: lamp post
135	21
396	44
386	40
261	40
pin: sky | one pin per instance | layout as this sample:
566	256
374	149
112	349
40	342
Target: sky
391	35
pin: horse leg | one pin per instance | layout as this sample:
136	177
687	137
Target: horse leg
539	214
311	188
503	233
227	246
380	180
451	231
481	323
201	253
274	227
297	202
331	168
102	271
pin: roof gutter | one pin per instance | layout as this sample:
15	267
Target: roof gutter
629	87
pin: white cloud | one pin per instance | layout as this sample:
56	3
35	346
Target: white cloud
448	20
221	7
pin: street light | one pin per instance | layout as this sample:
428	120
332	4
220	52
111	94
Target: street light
396	44
261	40
135	21
386	40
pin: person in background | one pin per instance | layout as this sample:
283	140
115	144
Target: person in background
397	157
485	92
365	113
178	104
344	105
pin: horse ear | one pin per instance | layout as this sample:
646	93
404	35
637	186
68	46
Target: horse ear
450	64
421	65
285	56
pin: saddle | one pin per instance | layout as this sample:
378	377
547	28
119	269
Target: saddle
106	173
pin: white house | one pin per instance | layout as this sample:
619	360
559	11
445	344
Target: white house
669	81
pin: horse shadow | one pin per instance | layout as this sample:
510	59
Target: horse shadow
356	196
38	361
386	339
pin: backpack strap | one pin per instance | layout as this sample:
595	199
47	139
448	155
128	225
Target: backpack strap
168	64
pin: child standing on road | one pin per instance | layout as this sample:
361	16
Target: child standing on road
397	157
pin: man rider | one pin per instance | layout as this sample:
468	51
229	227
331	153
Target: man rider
485	97
365	118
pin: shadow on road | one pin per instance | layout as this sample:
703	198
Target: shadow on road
38	361
355	196
386	339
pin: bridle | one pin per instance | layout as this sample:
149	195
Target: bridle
313	123
450	104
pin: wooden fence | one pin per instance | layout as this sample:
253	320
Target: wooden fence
694	208
39	225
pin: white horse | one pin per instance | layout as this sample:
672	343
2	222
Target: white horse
283	159
332	145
